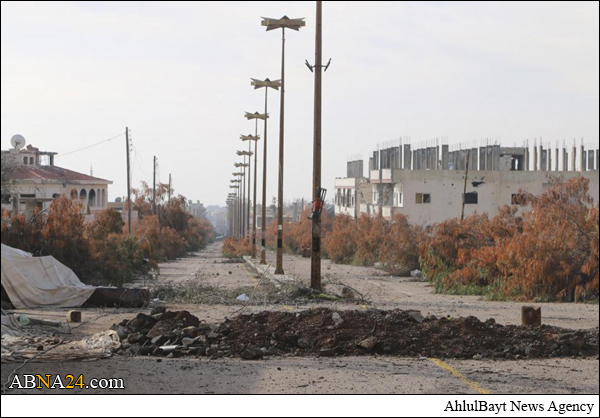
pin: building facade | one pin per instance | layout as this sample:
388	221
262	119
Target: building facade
37	182
428	184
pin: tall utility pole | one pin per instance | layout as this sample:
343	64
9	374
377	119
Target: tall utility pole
271	24
170	186
316	222
154	189
128	182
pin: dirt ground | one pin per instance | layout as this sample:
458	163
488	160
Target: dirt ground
290	375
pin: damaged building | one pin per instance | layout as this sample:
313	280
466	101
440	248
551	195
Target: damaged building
427	184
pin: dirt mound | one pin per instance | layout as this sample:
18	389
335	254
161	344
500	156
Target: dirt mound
326	333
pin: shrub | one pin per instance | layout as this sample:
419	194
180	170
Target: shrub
340	244
400	251
548	253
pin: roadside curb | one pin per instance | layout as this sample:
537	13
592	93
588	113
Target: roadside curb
268	271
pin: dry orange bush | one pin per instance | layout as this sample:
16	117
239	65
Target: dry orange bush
548	253
233	247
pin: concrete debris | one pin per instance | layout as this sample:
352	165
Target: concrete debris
359	333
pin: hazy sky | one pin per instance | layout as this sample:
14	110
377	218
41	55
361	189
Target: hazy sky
178	74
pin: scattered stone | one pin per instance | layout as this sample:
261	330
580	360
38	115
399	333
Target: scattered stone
368	344
337	319
158	310
305	343
123	333
252	353
188	341
190	332
416	316
348	294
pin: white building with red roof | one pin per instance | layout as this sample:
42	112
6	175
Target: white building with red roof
37	182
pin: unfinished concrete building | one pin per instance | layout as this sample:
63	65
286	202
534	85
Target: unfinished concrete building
427	184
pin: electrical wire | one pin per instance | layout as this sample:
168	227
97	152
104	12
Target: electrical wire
91	146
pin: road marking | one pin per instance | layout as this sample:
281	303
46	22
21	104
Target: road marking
474	385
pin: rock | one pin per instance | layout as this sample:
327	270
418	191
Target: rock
123	333
158	310
348	294
214	336
136	338
327	352
477	357
252	353
142	323
190	332
387	349
368	344
145	351
188	341
211	352
305	343
158	317
417	274
416	316
337	319
158	341
274	352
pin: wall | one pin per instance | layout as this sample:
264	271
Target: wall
494	190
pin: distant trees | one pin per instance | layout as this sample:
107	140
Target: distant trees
100	252
8	168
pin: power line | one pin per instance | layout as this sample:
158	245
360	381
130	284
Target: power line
91	146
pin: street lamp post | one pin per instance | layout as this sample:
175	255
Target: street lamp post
275	85
235	208
273	24
242	167
247	178
255	138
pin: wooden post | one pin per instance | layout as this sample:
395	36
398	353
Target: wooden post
316	221
531	317
154	190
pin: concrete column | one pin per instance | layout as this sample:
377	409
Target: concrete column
474	165
591	155
597	159
557	160
583	159
400	158
544	163
445	157
497	157
407	157
535	158
574	159
489	158
482	159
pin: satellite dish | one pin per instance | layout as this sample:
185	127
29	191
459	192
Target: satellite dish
18	142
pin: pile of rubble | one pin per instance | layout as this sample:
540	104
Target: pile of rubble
326	333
